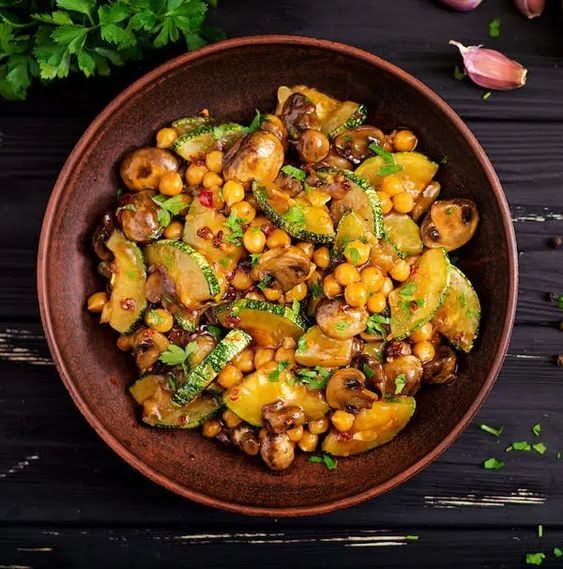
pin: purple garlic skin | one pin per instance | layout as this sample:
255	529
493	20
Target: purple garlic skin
530	8
491	69
461	5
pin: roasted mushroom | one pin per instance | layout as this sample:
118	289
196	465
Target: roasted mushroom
102	234
450	224
259	155
139	217
442	369
280	417
289	266
426	198
397	349
147	345
246	439
312	146
372	369
299	114
273	124
346	389
353	145
276	450
334	160
142	168
338	320
290	185
402	376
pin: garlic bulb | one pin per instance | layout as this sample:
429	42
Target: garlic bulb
530	8
461	5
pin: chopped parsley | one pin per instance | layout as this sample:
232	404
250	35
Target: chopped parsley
174	204
459	74
341	326
164	217
301	345
234	225
558	552
294	172
329	461
535	558
265	282
400	382
389	169
536	429
491	430
387	156
256	122
486	95
494	28
275	375
539	448
522	446
377	324
493	464
254	258
315	378
316	289
175	355
224	262
354	255
368	372
559	301
295	216
128	207
407	290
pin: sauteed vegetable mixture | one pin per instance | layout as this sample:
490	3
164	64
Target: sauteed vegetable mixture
286	285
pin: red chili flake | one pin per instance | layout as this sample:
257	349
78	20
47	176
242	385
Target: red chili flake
414	270
205	233
234	394
344	436
182	420
218	239
128	303
232	321
206	198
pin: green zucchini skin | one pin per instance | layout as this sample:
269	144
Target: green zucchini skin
186	124
206	371
204	138
357	118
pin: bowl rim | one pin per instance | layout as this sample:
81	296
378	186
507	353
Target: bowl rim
74	158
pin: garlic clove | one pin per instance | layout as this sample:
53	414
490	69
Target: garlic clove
490	68
530	8
461	5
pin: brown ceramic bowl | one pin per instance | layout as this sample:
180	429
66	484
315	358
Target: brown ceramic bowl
231	79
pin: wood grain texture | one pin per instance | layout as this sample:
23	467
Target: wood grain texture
67	501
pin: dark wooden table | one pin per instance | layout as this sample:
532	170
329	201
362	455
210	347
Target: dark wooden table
67	501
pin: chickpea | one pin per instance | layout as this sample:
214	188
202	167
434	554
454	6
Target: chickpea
124	343
307	248
405	141
211	428
159	319
289	342
272	294
346	274
298	292
269	367
424	351
400	270
255	295
174	230
278	238
254	240
422	333
231	419
170	184
229	376
321	257
356	295
319	426
357	252
245	361
372	277
386	287
342	420
165	137
212	180
403	202
376	303
285	355
385	202
194	174
392	185
308	441
96	301
241	280
214	161
295	434
243	211
233	192
331	287
262	356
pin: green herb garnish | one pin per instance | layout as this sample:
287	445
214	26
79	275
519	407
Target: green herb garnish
254	258
301	344
294	172
275	375
256	122
175	355
411	537
493	464
329	461
295	216
341	326
377	324
354	255
387	156
167	207
540	448
536	429
522	446
400	382
486	95
558	552
265	282
491	430
494	28
389	169
368	372
459	74
540	531
315	378
316	289
234	225
535	558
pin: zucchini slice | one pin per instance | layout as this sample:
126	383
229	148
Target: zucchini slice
350	227
418	299
256	390
127	301
316	348
458	317
152	392
372	427
417	170
266	322
360	198
185	318
334	115
208	369
205	138
193	277
295	215
403	233
186	124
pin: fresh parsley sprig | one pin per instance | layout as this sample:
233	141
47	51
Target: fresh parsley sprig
175	355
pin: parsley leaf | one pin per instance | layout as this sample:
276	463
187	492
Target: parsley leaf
295	216
175	355
459	74
535	558
169	207
234	225
536	429
389	169
254	258
341	326
491	430
329	461
523	446
265	282
316	378
400	382
387	156
558	552
540	448
275	375
377	324
368	372
294	172
493	464
256	122
494	28
354	255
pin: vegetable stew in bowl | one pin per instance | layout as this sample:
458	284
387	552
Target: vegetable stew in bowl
286	286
